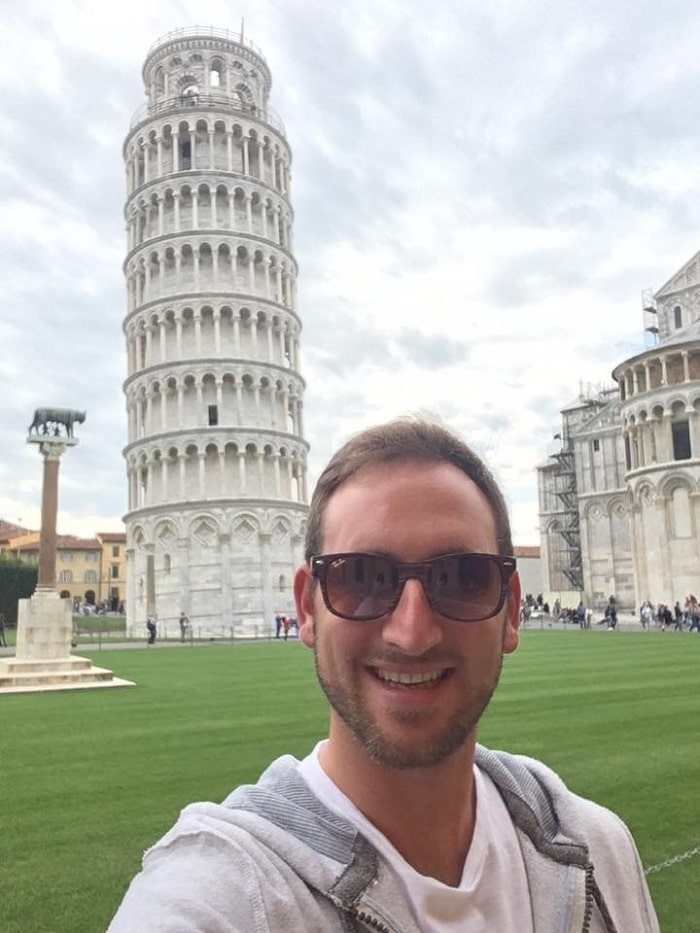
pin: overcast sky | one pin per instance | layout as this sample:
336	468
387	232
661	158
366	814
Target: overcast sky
482	190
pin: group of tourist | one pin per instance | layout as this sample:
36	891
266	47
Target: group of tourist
531	606
85	608
678	618
113	606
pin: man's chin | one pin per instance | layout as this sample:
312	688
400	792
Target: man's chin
414	747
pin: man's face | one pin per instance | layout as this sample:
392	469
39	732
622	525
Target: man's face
410	511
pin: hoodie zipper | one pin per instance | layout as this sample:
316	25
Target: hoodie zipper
371	920
376	923
588	912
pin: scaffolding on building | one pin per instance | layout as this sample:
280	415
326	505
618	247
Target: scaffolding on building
650	314
591	400
570	529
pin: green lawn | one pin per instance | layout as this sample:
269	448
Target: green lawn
86	630
106	623
91	778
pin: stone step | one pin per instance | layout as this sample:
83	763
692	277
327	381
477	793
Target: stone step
47	666
41	678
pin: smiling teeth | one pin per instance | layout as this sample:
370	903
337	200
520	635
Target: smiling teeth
394	677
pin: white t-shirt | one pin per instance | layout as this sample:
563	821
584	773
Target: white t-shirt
493	893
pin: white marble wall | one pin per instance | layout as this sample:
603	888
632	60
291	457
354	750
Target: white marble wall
216	456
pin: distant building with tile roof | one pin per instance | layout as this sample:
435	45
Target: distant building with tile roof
8	531
88	570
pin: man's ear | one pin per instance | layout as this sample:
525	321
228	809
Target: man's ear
303	599
511	635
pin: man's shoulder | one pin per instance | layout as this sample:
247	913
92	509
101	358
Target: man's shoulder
263	858
276	817
214	873
542	804
571	830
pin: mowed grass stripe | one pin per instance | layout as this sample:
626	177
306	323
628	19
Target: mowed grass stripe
92	778
97	776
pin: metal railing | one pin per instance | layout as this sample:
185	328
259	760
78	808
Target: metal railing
198	102
209	32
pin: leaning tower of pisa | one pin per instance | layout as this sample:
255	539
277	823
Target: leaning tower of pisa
216	457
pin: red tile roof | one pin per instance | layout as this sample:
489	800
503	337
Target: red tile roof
64	543
8	530
72	543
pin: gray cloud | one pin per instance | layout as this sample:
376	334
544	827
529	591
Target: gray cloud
410	130
430	351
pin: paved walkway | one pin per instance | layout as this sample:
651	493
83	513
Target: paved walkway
626	623
116	644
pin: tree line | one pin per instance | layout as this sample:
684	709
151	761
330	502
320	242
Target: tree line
17	581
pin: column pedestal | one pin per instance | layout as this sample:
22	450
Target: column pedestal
45	621
43	660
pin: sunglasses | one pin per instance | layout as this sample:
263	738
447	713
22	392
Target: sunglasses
463	587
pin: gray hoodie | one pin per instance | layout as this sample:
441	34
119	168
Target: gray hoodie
272	858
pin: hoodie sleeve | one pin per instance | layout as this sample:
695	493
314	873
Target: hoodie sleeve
190	885
197	879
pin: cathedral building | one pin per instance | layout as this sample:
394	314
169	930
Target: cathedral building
619	498
216	457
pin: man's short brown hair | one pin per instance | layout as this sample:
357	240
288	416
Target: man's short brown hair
404	439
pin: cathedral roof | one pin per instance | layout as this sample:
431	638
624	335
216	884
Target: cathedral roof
684	336
689	334
687	275
592	397
605	417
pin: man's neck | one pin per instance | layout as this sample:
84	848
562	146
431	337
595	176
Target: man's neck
427	814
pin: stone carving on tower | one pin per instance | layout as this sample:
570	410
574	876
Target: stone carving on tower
216	456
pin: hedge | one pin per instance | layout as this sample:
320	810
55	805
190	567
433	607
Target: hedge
17	581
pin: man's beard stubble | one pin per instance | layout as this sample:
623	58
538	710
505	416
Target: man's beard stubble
407	755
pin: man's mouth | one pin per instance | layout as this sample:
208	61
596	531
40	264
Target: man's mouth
409	679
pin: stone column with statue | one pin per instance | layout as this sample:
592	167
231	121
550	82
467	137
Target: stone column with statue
45	621
43	659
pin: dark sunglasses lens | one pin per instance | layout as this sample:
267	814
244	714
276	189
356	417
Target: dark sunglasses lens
360	586
465	586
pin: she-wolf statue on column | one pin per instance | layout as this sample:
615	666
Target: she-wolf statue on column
50	420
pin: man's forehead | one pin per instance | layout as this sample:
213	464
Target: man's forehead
392	472
418	480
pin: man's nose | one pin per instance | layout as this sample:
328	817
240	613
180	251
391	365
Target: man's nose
413	626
